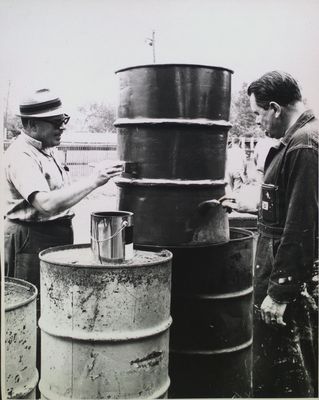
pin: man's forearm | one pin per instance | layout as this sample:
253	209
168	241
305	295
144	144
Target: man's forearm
60	200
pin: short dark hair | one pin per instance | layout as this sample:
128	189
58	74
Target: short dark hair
275	86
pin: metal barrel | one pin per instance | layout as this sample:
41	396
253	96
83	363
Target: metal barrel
246	221
169	213
173	120
174	151
187	91
211	335
104	328
21	375
172	127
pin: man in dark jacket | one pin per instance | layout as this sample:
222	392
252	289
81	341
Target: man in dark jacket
285	349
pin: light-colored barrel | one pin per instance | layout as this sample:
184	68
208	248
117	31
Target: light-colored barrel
21	375
104	328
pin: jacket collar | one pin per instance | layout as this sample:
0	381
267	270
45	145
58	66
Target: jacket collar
304	118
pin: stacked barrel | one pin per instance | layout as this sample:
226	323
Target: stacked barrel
104	327
173	122
21	375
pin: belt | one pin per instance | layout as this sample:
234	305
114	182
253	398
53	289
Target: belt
270	230
65	221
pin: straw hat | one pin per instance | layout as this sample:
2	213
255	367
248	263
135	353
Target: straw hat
41	104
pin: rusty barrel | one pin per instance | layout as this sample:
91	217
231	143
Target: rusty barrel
211	337
104	328
173	120
21	375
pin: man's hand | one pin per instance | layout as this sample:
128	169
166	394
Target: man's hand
272	312
229	203
103	174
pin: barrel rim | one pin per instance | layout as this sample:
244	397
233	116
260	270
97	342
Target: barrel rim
117	213
225	350
166	253
249	235
18	393
175	183
103	336
189	122
163	65
24	284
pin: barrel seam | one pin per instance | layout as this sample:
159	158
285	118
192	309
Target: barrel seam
220	351
239	293
107	338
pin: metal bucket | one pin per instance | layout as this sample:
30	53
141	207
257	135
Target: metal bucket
104	328
21	375
112	236
168	213
211	337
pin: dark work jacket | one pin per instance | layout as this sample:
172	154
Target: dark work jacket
288	214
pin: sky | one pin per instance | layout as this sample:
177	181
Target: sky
75	46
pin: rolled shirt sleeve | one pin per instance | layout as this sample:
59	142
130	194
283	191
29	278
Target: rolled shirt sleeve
27	176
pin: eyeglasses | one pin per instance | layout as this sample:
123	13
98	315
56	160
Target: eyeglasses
57	122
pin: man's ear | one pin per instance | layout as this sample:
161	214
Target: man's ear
32	125
276	107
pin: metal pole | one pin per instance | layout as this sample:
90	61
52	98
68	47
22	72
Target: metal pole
153	44
5	119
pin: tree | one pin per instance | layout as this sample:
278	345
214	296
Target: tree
12	125
98	117
241	116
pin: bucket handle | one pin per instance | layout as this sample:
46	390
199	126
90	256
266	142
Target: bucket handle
124	225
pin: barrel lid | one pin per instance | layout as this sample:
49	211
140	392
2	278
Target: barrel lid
18	293
81	256
175	65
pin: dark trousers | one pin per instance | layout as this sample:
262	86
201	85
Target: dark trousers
285	358
24	242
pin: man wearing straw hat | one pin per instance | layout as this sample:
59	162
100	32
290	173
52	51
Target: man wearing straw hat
39	193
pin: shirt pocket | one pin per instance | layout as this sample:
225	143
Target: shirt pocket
269	207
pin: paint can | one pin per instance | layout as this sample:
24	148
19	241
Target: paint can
112	236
